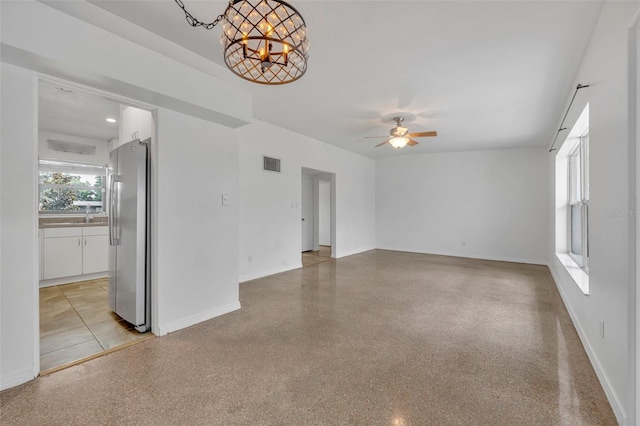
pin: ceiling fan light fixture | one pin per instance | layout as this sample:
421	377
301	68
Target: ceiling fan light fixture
399	142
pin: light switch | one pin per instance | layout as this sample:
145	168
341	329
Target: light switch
225	199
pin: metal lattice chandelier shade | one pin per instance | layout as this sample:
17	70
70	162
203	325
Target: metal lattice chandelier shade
265	41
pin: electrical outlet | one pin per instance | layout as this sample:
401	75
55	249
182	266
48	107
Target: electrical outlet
602	329
250	259
225	200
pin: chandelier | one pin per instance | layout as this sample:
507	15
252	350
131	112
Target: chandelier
264	41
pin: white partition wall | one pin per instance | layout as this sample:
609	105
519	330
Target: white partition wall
19	350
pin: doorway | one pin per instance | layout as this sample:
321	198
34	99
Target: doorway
77	129
318	216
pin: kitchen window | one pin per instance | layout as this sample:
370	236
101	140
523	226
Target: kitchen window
68	187
578	209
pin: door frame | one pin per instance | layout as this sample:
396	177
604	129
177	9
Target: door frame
322	176
152	204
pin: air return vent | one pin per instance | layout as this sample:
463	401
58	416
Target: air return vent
271	164
76	148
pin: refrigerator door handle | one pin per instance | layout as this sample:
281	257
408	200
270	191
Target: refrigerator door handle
111	209
113	213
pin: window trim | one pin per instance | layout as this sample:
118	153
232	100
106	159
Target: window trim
580	151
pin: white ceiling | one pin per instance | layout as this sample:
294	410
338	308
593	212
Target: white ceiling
484	74
70	111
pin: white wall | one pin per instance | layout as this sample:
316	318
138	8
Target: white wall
605	68
101	155
270	231
481	204
19	360
196	237
324	214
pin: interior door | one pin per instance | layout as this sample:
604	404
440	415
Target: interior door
307	213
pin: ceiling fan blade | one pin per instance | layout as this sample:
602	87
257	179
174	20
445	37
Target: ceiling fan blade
380	144
412	142
375	137
422	134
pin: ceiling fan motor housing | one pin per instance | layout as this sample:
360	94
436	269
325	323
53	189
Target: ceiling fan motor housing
398	131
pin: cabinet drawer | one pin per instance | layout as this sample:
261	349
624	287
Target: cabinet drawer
62	232
95	230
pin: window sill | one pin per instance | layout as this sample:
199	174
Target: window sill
579	276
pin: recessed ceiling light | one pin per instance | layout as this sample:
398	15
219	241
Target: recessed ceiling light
111	120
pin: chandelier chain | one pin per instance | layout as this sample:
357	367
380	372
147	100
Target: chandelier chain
194	22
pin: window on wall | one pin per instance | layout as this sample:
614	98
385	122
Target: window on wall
572	202
66	187
578	211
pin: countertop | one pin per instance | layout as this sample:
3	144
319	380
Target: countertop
71	222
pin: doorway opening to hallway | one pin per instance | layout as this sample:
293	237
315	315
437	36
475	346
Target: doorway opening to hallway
318	242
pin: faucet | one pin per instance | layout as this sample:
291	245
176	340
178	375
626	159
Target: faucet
86	216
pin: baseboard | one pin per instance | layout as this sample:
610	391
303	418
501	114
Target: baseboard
472	256
343	253
273	271
265	273
614	401
73	279
198	318
16	378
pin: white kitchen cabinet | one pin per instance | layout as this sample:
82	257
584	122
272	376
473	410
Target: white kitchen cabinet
134	123
95	250
68	252
62	252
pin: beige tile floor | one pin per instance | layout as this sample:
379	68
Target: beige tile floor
313	257
76	322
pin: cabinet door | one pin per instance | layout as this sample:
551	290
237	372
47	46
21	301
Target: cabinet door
62	257
95	254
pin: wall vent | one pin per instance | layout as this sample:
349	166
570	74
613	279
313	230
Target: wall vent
271	164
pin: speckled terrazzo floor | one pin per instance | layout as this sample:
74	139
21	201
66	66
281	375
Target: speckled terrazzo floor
379	338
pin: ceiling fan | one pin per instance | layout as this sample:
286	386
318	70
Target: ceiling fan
400	136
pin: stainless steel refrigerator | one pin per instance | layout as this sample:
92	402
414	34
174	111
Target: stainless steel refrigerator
129	266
